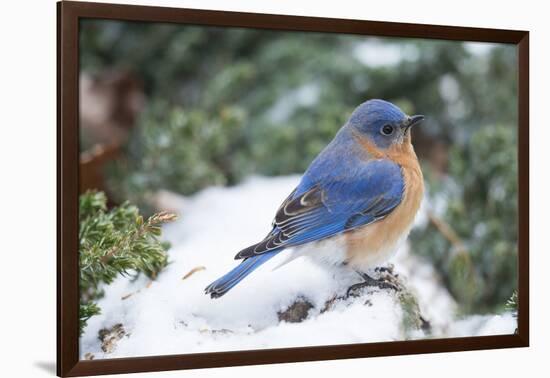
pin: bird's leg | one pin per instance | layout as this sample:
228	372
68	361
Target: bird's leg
369	281
384	269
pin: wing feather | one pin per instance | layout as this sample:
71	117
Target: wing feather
335	205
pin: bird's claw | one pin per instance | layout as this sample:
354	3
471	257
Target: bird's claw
371	282
384	269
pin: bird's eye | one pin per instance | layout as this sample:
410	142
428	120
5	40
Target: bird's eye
387	130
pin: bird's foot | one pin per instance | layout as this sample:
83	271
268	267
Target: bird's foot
384	269
368	281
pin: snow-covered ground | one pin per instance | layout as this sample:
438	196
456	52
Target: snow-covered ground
171	315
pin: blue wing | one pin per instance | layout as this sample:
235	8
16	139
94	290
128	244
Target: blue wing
332	199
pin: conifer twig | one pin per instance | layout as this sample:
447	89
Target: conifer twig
447	231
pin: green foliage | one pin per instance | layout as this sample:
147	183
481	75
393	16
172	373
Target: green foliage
86	311
115	242
226	103
512	303
481	197
411	318
209	155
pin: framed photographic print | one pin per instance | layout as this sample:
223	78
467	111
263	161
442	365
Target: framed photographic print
238	188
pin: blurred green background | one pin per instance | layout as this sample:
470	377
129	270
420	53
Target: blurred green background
186	107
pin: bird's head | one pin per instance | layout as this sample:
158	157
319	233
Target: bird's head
383	123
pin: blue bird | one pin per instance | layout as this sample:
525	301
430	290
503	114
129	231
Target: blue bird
354	204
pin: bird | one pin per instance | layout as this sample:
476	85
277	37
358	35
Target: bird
353	206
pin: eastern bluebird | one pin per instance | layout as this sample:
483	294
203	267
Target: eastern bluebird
354	204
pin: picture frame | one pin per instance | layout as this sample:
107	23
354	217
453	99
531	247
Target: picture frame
69	15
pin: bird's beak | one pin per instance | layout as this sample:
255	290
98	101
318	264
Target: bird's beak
411	121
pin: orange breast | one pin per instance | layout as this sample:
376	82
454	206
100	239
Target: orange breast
373	244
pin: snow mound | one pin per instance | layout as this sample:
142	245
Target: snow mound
171	315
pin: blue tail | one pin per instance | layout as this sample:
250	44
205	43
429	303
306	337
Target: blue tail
225	283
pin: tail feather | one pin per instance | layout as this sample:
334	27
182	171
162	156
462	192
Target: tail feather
225	283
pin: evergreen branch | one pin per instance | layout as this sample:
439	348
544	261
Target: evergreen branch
148	227
447	231
512	304
115	242
86	311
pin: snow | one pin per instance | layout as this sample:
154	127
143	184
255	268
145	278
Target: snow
484	325
376	53
305	95
171	315
480	48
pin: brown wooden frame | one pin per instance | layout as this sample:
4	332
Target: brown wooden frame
68	15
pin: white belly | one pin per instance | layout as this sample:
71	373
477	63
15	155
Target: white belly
330	252
334	252
369	257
